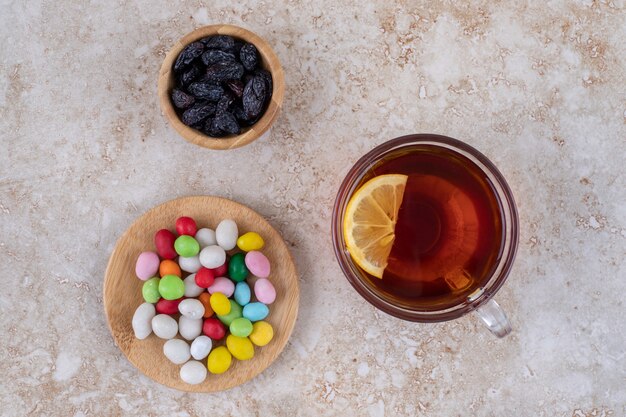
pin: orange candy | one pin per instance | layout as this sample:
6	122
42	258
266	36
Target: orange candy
169	267
204	299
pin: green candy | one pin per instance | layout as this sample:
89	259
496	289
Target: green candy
171	287
186	246
241	327
237	270
235	313
150	290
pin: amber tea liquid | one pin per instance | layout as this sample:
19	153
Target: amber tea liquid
449	234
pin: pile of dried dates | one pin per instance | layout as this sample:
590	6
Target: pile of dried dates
220	85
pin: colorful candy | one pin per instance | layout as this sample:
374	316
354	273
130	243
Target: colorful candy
205	237
240	347
186	226
212	256
242	293
220	303
150	290
262	333
255	311
169	267
241	327
171	287
147	265
164	326
193	372
264	291
191	308
192	297
258	264
164	242
186	246
177	351
219	360
142	320
226	234
250	241
213	328
237	270
205	277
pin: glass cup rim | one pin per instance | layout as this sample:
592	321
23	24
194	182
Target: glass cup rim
503	195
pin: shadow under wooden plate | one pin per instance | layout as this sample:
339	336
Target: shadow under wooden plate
122	290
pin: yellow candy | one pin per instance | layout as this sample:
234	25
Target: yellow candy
220	303
250	241
219	360
241	347
262	333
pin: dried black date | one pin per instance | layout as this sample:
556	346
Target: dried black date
187	55
222	42
206	90
226	122
198	113
213	56
223	71
254	96
249	56
236	86
181	99
188	77
268	80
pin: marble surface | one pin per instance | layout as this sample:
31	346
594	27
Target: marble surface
539	87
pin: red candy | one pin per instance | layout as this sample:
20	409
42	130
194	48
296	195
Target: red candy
186	226
164	242
220	271
213	328
205	277
170	307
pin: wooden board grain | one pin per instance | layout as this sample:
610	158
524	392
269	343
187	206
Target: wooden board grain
122	290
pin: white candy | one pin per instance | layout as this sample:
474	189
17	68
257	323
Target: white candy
191	264
191	308
193	372
205	237
177	351
191	288
142	320
201	347
164	326
226	234
189	328
212	257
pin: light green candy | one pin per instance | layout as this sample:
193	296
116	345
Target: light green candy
171	287
150	290
186	246
235	313
241	327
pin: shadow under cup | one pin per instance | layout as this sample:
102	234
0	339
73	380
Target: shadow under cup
480	298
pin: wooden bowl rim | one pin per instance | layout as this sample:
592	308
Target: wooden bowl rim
252	133
288	323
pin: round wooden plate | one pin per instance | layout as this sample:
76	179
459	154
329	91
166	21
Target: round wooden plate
122	290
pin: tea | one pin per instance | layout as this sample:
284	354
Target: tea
449	234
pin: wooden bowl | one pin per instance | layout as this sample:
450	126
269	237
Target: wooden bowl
269	62
122	291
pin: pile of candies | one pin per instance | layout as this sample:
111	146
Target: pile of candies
214	301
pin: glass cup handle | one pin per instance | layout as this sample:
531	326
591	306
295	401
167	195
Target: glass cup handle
494	318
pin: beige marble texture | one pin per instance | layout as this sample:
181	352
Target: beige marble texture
538	86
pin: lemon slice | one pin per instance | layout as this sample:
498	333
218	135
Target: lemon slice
370	220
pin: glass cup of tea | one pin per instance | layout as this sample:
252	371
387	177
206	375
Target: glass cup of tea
451	237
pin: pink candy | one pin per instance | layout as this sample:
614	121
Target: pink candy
258	264
223	285
147	265
264	291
